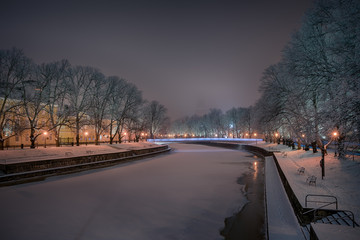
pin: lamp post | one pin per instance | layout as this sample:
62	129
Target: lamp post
255	138
303	136
335	135
86	134
45	133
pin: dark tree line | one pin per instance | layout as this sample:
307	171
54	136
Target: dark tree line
235	123
53	95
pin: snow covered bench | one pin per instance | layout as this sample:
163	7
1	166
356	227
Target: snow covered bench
311	180
301	170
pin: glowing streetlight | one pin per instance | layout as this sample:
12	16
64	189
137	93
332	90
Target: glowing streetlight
335	134
45	133
86	139
276	138
255	138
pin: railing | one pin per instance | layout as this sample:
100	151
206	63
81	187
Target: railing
348	214
322	196
318	212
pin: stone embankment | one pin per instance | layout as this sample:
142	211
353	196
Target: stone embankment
14	172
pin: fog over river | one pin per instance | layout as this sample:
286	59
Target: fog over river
185	194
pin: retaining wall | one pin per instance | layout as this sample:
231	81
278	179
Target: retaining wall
43	168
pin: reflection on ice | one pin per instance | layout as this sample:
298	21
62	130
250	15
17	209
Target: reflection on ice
255	167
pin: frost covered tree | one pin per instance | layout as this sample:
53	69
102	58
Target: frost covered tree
314	90
233	121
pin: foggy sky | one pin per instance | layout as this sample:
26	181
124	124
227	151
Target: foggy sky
188	55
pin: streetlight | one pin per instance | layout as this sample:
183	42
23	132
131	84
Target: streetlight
45	133
86	134
303	136
255	138
335	135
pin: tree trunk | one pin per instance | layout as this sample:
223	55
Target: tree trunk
32	138
110	135
97	139
77	132
57	142
1	140
57	137
341	147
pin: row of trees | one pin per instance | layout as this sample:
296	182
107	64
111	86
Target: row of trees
315	89
53	95
236	122
313	92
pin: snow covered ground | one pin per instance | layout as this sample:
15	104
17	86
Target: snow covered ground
342	177
186	194
182	195
41	153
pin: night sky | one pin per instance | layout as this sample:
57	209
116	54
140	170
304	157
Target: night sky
188	55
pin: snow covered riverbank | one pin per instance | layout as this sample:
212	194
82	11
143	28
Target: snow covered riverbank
342	176
41	153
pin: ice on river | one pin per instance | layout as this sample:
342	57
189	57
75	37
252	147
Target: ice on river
185	194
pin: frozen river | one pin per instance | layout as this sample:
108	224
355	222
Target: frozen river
185	194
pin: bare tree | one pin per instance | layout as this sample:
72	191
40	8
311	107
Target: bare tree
35	101
79	82
136	123
125	99
15	68
99	104
155	116
57	107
